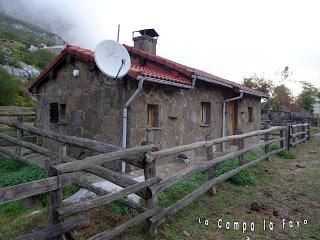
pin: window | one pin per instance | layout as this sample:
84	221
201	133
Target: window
62	112
153	116
250	114
206	113
54	113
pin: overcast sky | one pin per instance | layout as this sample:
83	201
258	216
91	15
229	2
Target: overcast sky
231	39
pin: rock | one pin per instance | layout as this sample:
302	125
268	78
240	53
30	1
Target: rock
82	195
31	203
186	233
257	207
300	166
182	158
32	71
24	73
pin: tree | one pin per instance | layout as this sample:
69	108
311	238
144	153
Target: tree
282	98
258	83
308	97
8	88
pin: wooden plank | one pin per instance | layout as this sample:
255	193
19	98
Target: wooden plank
17	114
29	189
34	147
195	194
83	206
298	134
297	142
103	158
109	234
100	192
299	125
71	140
26	160
56	230
115	177
168	181
174	150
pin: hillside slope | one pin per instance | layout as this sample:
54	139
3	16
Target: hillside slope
25	50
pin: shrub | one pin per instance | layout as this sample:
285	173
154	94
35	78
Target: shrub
13	172
287	154
244	177
39	58
8	88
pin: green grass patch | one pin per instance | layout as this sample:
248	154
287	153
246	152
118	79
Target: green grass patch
287	154
245	177
181	188
13	172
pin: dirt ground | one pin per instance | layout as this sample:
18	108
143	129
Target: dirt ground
284	203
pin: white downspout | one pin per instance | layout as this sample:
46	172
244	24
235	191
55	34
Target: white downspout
125	118
224	115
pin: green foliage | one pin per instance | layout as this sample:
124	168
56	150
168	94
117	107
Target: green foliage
287	154
12	208
308	97
258	83
119	209
13	172
26	32
39	58
281	98
8	88
244	177
181	188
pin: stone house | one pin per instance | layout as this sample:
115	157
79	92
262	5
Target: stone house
176	105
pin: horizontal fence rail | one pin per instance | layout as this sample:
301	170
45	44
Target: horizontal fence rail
63	170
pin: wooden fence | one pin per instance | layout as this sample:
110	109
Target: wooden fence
63	171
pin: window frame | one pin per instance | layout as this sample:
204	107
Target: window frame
54	112
250	114
206	119
153	116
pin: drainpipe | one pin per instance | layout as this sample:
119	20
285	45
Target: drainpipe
224	115
125	118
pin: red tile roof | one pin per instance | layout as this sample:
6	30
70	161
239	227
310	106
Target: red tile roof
174	72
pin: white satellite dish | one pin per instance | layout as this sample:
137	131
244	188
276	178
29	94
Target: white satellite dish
112	58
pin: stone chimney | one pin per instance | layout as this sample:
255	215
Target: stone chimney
146	41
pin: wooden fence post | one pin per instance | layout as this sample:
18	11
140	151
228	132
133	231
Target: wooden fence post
293	130
212	170
303	136
240	146
282	142
308	131
54	197
150	172
289	137
267	147
19	135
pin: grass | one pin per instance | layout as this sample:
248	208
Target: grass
278	184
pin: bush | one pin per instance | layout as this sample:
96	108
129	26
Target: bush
8	88
13	172
39	58
244	177
287	154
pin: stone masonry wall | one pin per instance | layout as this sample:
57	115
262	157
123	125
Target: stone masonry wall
97	114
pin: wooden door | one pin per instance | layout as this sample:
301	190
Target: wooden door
232	112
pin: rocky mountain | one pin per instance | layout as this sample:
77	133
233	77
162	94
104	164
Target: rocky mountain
25	50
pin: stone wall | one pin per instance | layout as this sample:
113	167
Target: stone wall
94	114
97	114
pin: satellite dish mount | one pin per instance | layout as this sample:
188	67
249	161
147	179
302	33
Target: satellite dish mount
112	58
